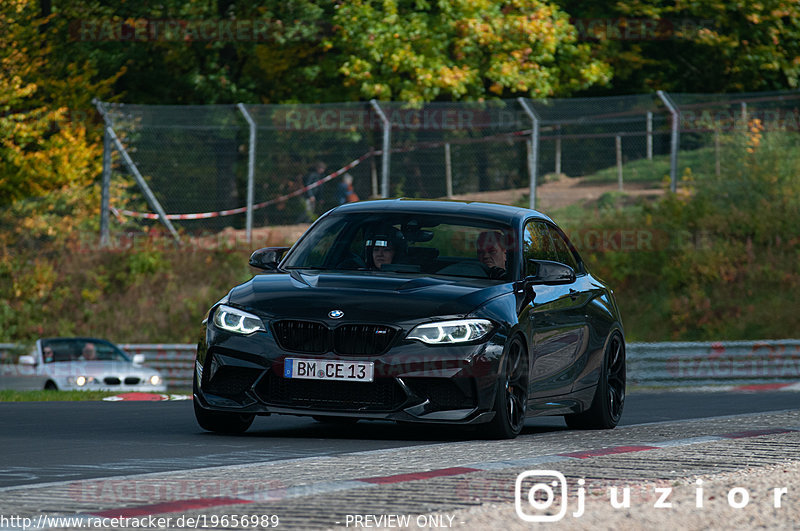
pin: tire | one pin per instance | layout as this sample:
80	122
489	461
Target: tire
220	422
344	421
50	386
609	397
510	403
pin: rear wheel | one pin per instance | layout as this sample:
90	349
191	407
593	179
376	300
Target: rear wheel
609	398
511	398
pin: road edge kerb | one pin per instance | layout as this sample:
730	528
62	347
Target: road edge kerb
337	486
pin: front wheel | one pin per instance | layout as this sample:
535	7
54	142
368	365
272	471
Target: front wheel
217	421
609	398
512	394
222	422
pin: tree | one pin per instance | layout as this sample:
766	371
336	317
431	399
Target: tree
460	50
696	46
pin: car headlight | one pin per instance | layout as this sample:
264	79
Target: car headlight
237	321
80	381
443	332
155	379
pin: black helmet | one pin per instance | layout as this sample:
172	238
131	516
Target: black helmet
385	236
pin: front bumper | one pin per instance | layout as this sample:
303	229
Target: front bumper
413	382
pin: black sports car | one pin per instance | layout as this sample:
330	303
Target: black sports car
419	311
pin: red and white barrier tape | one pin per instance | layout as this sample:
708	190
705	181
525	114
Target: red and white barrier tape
240	210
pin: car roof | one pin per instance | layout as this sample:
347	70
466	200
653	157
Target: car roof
472	209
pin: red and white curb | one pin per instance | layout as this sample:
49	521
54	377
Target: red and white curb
145	397
750	388
328	487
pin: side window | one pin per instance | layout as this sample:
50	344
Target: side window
537	245
562	251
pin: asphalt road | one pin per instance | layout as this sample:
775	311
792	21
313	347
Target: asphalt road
44	442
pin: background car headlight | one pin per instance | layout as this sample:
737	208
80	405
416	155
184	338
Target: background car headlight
237	321
80	381
155	379
460	331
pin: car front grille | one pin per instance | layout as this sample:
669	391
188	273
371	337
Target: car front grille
443	393
362	339
132	380
384	394
111	380
302	336
349	339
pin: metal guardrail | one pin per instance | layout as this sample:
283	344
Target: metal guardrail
691	364
174	361
675	364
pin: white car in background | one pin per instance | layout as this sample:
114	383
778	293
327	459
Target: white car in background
80	364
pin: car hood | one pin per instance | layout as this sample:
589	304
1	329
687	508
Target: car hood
363	296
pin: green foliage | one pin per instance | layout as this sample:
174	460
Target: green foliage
697	46
422	51
722	254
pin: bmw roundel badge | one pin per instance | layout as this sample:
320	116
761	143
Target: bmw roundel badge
336	314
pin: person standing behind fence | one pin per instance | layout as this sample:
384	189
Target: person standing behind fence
345	191
315	173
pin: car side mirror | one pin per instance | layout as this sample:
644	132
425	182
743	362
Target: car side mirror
27	360
549	273
267	258
138	359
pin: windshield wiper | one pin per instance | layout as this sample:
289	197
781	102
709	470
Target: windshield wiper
316	268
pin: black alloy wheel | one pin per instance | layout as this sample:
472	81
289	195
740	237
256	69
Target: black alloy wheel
512	393
609	398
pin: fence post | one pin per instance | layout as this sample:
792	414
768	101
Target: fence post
618	146
373	172
558	151
251	166
448	171
126	158
533	159
673	140
717	168
105	194
387	127
649	135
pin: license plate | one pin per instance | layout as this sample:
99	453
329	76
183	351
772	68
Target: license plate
351	371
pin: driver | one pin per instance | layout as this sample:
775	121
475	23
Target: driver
491	251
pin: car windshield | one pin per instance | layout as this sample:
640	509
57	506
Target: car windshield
80	349
413	244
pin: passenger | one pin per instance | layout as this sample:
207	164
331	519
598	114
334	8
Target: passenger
385	247
382	253
491	253
48	355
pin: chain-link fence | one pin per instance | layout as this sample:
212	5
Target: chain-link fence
197	160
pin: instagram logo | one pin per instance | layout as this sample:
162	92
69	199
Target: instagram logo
542	489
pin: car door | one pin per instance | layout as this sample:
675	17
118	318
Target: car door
556	319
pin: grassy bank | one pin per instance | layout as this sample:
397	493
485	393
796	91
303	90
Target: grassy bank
53	396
